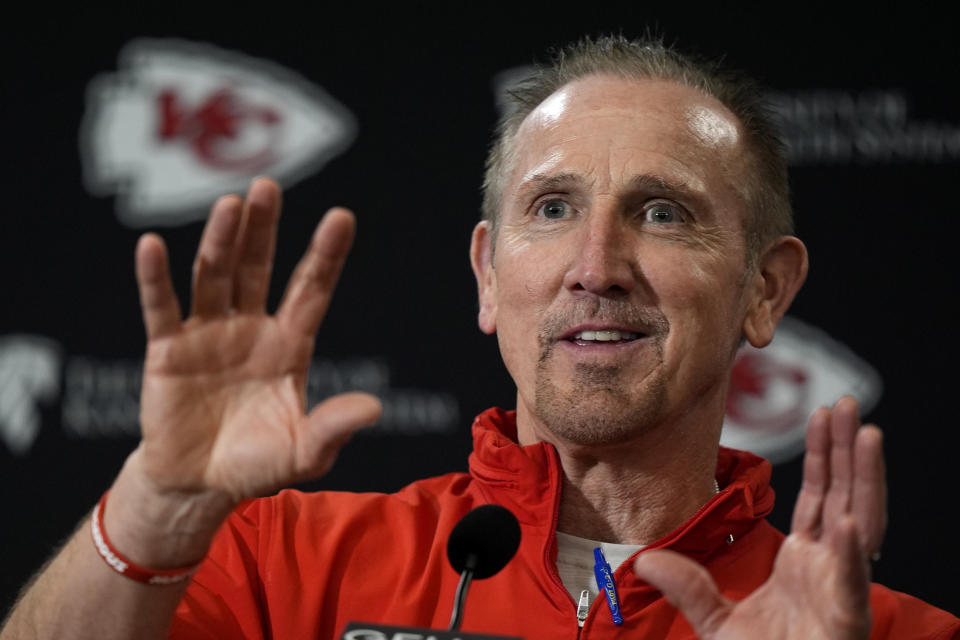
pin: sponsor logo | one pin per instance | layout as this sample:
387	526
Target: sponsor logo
774	391
100	398
822	126
29	376
180	123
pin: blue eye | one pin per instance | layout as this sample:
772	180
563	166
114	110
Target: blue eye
554	209
663	213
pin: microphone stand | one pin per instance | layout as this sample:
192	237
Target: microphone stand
456	615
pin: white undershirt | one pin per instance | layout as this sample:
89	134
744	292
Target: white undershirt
575	562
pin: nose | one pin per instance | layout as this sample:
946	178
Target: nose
604	264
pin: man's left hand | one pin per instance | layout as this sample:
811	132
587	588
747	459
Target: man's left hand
820	584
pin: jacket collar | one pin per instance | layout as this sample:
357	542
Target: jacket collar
526	480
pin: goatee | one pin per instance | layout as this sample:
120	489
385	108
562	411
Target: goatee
602	405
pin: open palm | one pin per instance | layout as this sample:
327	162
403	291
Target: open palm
819	587
223	405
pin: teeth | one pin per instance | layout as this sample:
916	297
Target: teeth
605	336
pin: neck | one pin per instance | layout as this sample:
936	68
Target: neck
639	491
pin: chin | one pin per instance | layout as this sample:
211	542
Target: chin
599	411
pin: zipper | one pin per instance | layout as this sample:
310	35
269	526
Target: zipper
583	608
554	473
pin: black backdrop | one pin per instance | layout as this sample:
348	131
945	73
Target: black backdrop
418	81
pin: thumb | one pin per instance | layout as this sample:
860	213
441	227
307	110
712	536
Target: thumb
329	427
687	586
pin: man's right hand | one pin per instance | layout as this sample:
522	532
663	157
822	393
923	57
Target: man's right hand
223	401
223	419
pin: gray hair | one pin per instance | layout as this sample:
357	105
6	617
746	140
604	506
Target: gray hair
767	191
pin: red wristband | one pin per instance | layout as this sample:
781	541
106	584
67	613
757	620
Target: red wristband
121	564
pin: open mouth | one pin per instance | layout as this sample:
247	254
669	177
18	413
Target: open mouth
603	337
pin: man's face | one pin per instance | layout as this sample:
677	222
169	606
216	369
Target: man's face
616	286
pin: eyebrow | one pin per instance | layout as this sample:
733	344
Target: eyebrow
651	182
548	182
681	191
640	182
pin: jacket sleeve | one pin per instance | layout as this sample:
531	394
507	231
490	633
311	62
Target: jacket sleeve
898	616
224	598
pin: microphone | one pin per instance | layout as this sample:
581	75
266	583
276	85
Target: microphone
480	545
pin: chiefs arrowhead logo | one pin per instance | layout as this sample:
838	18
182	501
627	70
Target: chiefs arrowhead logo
181	123
212	130
774	391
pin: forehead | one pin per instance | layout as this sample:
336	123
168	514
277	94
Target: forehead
611	129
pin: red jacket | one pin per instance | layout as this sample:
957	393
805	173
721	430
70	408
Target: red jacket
303	565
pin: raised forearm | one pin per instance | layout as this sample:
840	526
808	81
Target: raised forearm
222	419
78	595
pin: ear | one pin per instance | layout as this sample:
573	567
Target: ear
779	274
481	259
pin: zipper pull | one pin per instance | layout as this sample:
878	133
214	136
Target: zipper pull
583	608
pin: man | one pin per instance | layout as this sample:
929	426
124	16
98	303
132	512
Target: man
636	232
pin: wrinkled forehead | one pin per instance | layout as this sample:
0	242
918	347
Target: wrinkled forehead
683	127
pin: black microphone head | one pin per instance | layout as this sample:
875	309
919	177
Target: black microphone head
491	534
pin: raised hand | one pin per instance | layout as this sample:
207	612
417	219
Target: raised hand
223	404
819	587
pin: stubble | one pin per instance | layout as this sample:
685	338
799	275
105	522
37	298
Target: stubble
604	404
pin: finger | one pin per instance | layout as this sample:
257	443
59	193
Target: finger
258	241
869	506
816	475
844	423
311	286
213	266
688	587
329	427
853	573
158	300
